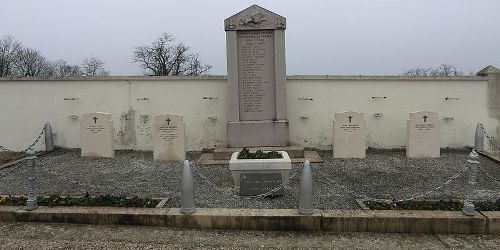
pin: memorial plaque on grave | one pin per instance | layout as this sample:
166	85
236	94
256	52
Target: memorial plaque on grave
255	40
260	183
349	135
96	135
169	140
423	135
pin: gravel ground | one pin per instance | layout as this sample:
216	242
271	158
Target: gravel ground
70	236
337	182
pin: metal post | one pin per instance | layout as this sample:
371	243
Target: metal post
31	203
306	195
479	138
468	209
187	201
473	168
49	138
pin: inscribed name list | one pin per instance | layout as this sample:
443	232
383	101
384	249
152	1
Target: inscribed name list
256	75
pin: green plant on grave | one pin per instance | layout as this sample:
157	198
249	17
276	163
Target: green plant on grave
259	154
415	205
87	200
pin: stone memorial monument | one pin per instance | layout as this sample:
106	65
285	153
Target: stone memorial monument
349	135
169	139
255	40
96	135
423	135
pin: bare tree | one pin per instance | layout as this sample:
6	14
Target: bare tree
32	63
63	68
165	57
93	66
443	70
9	51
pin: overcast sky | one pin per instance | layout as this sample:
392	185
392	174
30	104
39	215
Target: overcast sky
322	37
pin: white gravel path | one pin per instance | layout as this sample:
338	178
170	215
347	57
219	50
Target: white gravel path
383	174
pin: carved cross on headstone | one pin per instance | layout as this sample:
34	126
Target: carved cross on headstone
168	121
425	118
95	119
350	118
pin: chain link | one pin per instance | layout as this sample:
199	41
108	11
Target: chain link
5	149
446	183
493	144
400	200
489	176
263	195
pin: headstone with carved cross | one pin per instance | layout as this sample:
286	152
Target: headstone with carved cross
423	135
169	139
96	135
349	135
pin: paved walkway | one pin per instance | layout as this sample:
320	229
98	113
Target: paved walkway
68	236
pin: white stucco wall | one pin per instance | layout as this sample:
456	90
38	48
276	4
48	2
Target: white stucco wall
25	105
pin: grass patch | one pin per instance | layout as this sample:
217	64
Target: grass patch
415	205
87	201
259	154
488	205
6	157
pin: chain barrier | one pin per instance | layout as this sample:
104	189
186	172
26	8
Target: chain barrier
233	193
399	200
66	179
489	176
454	177
493	144
5	149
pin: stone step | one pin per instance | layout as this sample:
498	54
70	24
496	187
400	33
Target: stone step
224	153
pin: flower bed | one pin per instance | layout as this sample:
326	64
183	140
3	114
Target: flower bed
432	205
99	201
6	157
259	154
415	205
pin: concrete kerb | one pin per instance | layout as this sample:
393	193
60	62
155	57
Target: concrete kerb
377	221
492	221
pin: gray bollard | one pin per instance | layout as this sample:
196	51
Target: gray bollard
31	203
187	202
49	138
473	167
306	194
479	138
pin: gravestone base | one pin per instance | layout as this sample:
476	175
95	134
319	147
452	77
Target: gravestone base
277	171
258	133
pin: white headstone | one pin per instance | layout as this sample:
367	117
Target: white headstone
169	139
349	135
96	135
423	135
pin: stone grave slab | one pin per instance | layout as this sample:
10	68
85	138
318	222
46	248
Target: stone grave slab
169	138
349	135
96	135
423	135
